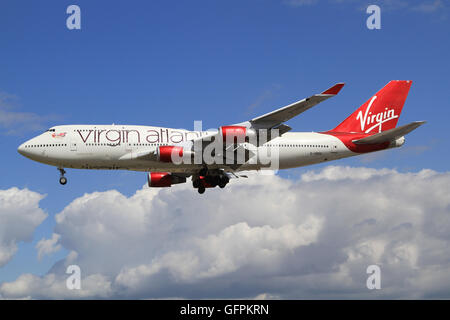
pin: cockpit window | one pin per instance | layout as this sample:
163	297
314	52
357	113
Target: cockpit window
50	130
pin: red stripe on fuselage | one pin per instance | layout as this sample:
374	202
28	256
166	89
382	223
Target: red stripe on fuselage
347	139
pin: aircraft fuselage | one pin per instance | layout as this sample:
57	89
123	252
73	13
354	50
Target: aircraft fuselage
107	147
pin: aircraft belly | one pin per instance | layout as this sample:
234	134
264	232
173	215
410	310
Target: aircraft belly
291	158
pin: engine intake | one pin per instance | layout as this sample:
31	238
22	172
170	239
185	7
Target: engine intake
163	179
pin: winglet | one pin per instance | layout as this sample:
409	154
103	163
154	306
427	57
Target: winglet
334	90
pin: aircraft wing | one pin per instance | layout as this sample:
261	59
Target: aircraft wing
390	135
277	117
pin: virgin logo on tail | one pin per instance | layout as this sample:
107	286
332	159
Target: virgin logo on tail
374	120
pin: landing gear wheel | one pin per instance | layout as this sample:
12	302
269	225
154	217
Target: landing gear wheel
62	179
201	190
223	181
196	183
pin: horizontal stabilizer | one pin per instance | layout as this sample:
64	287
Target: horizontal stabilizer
390	135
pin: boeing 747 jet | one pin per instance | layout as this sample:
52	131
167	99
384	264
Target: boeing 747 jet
211	158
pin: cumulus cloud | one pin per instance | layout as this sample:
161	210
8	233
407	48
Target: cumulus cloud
264	237
335	173
19	216
53	286
48	246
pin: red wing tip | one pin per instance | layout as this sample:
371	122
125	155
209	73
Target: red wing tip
334	89
404	81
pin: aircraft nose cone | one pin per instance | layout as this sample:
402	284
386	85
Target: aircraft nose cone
21	149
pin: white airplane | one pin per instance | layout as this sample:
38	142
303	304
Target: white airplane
211	158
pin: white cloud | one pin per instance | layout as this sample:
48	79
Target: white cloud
335	173
51	286
48	246
234	247
16	122
19	216
261	237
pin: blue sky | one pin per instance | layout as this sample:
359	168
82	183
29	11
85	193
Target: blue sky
168	63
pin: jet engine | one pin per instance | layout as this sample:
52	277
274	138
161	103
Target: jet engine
236	134
163	179
172	154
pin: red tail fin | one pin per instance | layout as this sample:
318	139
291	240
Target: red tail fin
380	112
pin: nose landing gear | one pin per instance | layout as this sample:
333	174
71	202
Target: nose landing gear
62	179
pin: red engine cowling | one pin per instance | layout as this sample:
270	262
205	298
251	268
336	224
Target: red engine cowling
233	134
163	179
236	134
169	153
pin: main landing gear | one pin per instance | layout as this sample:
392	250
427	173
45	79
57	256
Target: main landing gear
62	179
209	181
